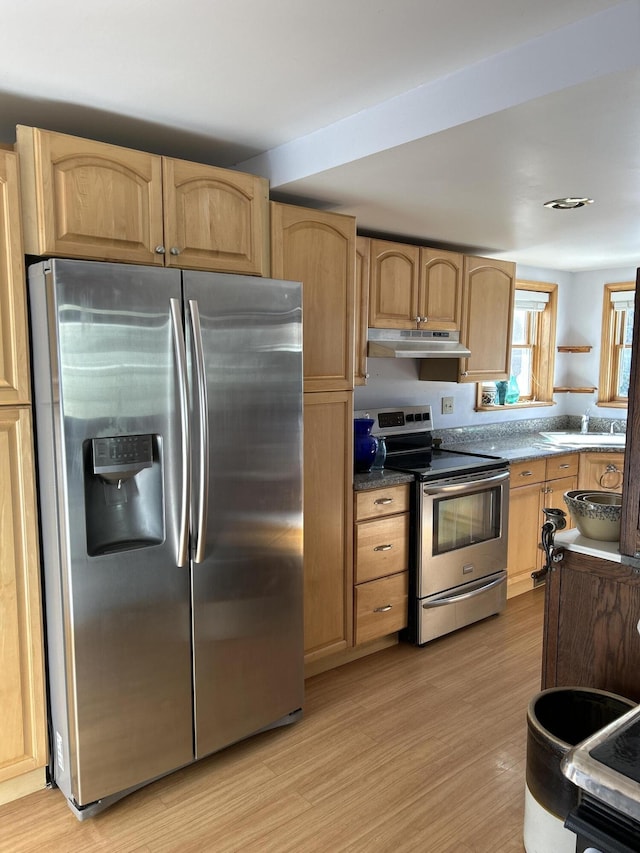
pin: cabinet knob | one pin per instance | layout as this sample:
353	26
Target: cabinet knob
175	250
160	250
384	609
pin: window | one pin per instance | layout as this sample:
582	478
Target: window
532	346
615	353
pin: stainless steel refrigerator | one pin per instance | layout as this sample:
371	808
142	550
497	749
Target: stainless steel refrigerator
169	423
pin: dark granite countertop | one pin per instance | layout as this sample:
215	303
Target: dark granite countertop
380	480
517	442
523	447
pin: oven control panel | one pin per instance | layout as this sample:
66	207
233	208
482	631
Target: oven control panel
398	421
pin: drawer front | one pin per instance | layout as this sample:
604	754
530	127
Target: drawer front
382	547
379	502
563	466
381	607
523	473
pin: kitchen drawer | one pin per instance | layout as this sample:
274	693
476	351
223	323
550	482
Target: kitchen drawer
524	473
377	502
381	607
381	547
563	466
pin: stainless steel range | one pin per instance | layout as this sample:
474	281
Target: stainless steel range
459	523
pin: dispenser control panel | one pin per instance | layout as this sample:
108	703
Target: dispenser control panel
122	453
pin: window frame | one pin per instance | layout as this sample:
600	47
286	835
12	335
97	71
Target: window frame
543	366
608	380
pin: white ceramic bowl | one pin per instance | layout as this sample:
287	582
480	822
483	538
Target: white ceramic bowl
596	514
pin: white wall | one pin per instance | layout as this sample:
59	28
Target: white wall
395	381
582	324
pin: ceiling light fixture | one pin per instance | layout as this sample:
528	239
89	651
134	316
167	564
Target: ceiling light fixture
567	203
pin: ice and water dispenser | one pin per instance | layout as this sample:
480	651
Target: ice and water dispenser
123	493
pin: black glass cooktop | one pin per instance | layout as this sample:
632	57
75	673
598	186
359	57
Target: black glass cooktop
435	464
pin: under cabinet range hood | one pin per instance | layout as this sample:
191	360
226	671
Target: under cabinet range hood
401	343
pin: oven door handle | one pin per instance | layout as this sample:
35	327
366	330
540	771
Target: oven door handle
464	483
463	596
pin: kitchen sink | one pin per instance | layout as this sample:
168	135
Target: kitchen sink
586	439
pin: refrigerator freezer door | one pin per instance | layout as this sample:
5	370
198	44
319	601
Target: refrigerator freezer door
118	607
247	585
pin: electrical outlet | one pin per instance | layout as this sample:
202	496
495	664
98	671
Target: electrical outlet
447	405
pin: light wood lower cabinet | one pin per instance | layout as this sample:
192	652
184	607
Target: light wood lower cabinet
537	484
381	557
22	703
328	575
601	471
381	607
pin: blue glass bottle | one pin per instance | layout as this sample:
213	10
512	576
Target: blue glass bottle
365	445
513	391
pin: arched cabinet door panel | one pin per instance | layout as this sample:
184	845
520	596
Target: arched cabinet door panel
87	199
318	249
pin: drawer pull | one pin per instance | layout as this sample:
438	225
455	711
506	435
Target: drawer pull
526	473
383	547
566	465
384	609
383	501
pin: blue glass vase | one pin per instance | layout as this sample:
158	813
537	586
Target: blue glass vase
365	445
513	391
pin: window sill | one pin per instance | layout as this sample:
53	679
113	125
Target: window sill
612	404
525	405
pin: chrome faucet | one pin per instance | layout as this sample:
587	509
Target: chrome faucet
617	426
584	422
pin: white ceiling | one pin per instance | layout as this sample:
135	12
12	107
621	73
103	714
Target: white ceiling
443	121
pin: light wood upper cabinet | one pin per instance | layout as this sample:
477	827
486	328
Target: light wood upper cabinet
413	287
488	294
88	199
215	218
22	708
318	249
14	362
360	374
440	290
393	287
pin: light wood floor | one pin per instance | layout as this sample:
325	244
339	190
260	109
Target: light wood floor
405	750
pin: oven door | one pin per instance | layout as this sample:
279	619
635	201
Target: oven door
462	531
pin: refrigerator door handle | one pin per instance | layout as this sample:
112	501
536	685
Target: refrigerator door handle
203	408
181	359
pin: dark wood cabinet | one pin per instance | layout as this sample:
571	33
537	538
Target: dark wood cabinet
592	613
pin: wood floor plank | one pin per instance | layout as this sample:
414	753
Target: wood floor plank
407	749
